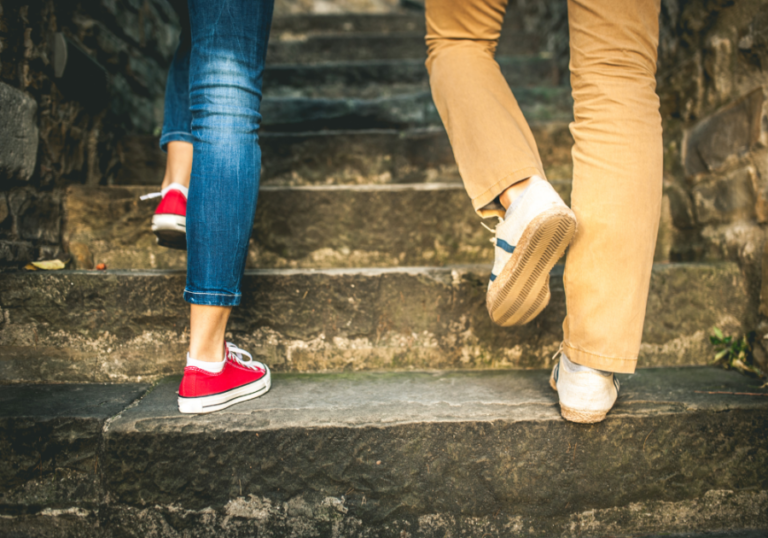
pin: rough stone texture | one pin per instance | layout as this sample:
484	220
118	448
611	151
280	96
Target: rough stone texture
325	7
729	133
712	81
298	25
69	140
726	199
414	454
18	134
358	157
390	46
764	282
132	326
396	112
15	252
379	78
295	227
50	438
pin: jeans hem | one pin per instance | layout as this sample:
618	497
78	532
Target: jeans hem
175	136
211	299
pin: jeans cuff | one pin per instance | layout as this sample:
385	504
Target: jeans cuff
211	299
175	136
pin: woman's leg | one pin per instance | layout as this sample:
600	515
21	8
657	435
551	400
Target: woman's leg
492	143
176	138
617	179
229	41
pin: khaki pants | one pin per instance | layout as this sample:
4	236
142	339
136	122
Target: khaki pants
617	156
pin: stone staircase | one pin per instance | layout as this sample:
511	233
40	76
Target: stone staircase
398	408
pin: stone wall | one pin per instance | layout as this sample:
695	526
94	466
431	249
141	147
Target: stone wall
50	137
713	83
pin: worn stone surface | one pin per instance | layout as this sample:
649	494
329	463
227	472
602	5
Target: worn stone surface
345	7
359	157
50	438
427	453
413	454
390	46
317	227
131	326
297	25
379	78
725	199
396	112
764	281
18	134
729	133
16	252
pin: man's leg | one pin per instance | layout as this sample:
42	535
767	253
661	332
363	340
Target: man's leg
617	181
497	155
492	143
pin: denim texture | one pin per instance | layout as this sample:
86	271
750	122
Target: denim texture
177	118
225	66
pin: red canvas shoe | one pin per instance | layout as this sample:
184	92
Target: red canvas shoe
238	381
170	219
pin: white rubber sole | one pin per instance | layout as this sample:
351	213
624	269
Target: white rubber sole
521	291
217	402
171	230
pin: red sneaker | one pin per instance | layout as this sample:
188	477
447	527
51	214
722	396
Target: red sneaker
170	219
238	381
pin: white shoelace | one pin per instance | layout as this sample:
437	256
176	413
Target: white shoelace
236	353
172	187
493	231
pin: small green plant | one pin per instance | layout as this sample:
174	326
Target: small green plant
735	353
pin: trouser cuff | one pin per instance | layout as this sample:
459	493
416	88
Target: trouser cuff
600	362
211	299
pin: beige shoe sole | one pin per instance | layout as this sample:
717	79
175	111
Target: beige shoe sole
521	291
574	415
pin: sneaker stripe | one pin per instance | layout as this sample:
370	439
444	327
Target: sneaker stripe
493	277
504	245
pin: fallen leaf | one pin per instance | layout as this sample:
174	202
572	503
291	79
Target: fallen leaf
49	265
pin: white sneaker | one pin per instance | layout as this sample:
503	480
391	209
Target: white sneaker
586	395
535	233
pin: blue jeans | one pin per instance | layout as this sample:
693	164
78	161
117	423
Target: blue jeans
213	98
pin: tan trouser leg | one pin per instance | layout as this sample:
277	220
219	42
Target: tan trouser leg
617	179
492	143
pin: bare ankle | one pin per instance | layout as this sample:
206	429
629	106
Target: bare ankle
208	325
508	196
178	167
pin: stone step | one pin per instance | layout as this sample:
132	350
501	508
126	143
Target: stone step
407	45
388	455
396	112
299	26
384	78
353	157
121	326
293	27
296	227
